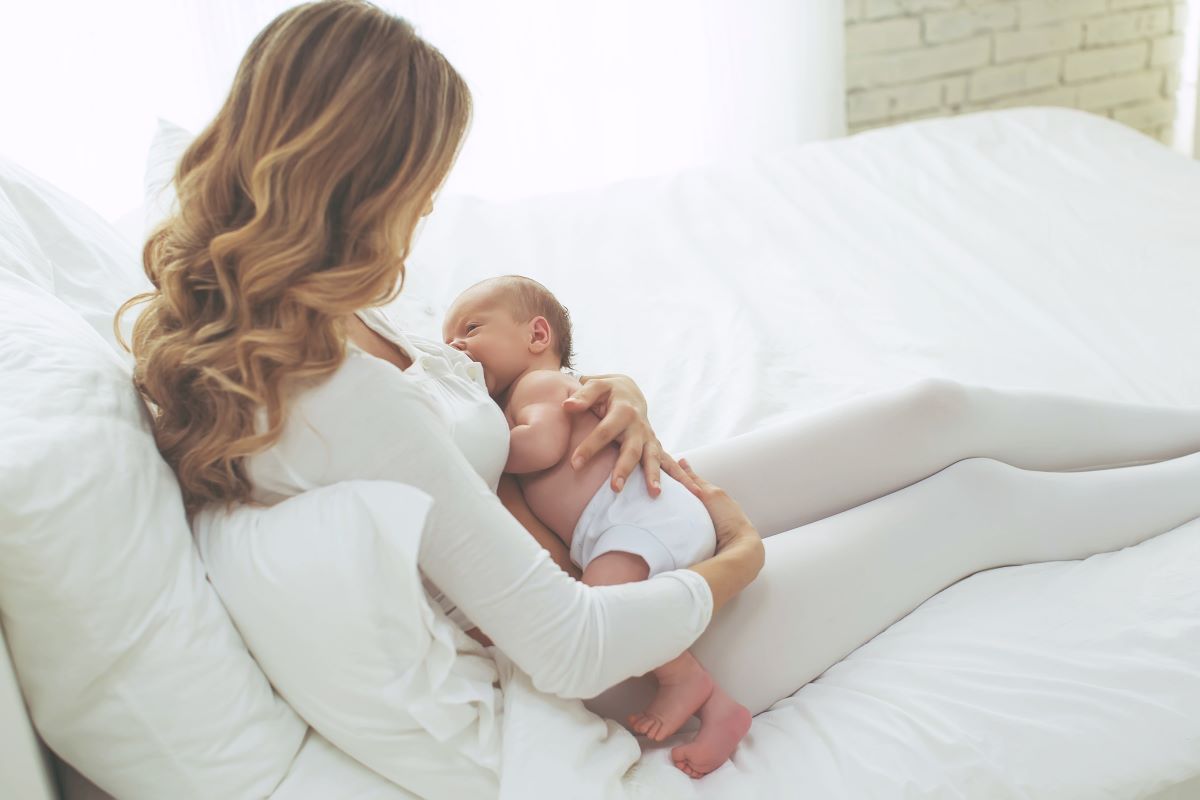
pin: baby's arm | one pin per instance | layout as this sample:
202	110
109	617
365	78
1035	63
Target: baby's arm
542	432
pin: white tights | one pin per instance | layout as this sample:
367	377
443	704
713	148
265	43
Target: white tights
874	505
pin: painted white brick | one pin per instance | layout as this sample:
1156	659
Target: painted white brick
1014	78
1120	5
1166	52
1179	17
1171	82
1105	61
875	9
1118	91
914	65
914	59
1126	27
917	116
1057	38
946	26
954	91
876	104
1146	116
1064	96
892	34
865	126
1041	12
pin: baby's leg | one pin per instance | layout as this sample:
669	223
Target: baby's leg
615	566
683	684
723	723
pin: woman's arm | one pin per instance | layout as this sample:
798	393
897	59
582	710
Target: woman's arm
513	498
572	639
740	552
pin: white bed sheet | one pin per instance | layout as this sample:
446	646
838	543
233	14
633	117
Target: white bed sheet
1041	248
1038	248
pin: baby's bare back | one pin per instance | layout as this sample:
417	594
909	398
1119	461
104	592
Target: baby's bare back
559	494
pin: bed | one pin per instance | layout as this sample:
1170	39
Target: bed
1027	248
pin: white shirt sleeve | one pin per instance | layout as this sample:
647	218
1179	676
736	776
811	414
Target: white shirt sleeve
573	640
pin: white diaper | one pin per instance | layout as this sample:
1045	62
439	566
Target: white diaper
671	531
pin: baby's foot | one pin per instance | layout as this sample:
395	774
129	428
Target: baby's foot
723	723
683	686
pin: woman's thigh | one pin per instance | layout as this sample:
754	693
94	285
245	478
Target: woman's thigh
820	463
831	585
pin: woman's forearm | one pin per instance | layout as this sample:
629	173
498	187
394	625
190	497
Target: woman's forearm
513	498
731	570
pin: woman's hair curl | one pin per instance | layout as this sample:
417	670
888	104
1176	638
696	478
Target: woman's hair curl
297	206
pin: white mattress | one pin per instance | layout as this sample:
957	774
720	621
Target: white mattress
1039	248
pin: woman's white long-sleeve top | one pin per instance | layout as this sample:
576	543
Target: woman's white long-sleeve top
433	426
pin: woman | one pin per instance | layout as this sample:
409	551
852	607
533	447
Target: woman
272	372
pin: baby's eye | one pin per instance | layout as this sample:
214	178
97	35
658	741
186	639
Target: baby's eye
472	325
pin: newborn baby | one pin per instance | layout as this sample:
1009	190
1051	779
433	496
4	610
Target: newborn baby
516	329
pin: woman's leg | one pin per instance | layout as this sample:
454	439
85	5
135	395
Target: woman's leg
800	470
834	584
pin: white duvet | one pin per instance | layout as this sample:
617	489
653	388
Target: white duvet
1038	248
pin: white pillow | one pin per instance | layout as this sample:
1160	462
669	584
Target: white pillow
132	669
319	771
417	309
325	590
158	191
68	249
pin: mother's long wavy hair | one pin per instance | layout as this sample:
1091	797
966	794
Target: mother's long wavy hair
297	206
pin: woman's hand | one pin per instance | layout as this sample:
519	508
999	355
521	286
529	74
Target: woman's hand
621	407
740	554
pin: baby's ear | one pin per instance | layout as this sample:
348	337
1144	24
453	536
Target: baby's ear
541	331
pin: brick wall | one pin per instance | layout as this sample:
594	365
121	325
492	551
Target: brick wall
908	59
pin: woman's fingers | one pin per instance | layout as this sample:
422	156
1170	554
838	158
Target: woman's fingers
672	468
586	396
700	484
604	433
631	452
651	460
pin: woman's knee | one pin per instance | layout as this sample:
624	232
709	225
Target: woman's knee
938	402
982	481
940	394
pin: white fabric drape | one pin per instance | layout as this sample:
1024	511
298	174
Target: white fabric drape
567	95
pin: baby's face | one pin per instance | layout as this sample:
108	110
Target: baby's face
480	325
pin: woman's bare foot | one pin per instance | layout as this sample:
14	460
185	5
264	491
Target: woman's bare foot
723	723
683	687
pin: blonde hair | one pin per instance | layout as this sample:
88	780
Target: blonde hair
526	299
297	207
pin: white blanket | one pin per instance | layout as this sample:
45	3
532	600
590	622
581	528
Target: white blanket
1037	248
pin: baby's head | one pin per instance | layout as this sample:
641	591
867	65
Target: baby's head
511	325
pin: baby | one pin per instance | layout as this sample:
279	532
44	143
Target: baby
516	329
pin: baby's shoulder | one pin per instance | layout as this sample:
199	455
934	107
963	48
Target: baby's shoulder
545	381
541	386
